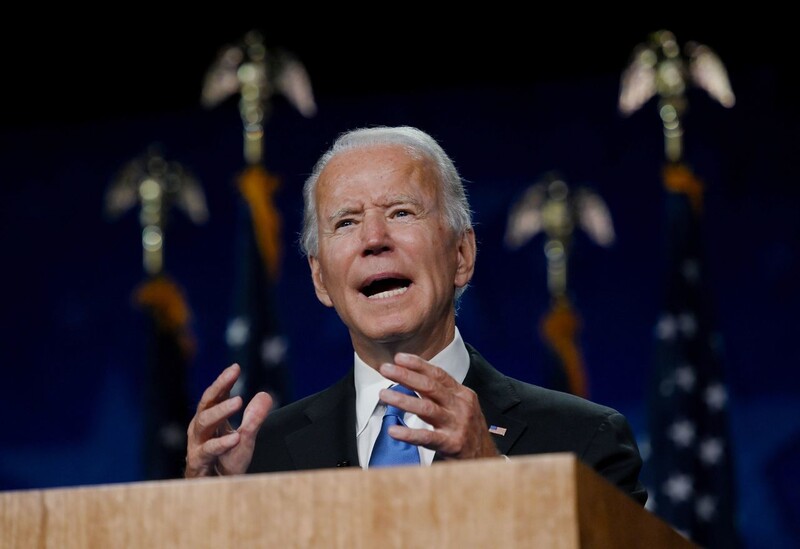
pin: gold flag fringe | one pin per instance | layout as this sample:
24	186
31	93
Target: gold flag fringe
678	178
165	301
257	186
559	329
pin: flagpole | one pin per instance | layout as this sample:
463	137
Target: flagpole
688	455
157	185
552	207
254	334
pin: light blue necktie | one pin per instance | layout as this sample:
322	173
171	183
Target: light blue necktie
387	451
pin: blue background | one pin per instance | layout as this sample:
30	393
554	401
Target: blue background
72	343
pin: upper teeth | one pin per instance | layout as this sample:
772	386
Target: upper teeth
388	293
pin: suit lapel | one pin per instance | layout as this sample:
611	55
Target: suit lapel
329	440
496	397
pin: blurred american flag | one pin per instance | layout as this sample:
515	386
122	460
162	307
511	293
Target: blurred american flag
688	459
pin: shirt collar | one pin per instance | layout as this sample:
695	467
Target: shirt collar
453	359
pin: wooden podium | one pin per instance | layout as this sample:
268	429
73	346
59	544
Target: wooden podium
548	501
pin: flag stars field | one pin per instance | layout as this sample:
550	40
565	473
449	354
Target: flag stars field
711	450
716	396
666	328
687	323
273	350
678	488
685	377
238	332
682	433
706	507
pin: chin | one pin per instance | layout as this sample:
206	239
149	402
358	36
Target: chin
388	332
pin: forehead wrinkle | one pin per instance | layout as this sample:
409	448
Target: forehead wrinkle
387	200
394	199
419	170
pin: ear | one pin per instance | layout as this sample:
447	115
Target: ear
319	285
467	250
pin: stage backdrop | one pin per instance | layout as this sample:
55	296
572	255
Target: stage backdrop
74	342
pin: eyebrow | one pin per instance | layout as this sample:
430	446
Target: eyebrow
342	212
387	203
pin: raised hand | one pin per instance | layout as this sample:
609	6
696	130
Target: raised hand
459	427
213	446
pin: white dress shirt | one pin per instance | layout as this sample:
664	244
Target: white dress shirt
453	359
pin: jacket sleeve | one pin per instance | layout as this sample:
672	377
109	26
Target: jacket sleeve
613	453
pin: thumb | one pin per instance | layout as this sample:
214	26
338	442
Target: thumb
255	414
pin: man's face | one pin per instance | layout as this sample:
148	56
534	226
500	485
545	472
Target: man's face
388	262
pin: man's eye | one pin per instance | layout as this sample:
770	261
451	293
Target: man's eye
402	213
343	223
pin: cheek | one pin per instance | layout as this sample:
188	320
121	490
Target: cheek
333	269
443	247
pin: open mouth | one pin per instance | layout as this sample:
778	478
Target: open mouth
386	287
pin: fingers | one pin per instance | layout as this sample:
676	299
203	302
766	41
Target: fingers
231	454
255	414
216	447
201	459
214	421
452	409
220	388
418	374
440	391
211	419
216	406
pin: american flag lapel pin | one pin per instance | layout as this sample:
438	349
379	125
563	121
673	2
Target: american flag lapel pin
495	430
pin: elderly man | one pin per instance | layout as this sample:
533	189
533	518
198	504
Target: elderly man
391	247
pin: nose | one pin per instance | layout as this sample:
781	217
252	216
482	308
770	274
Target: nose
375	234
